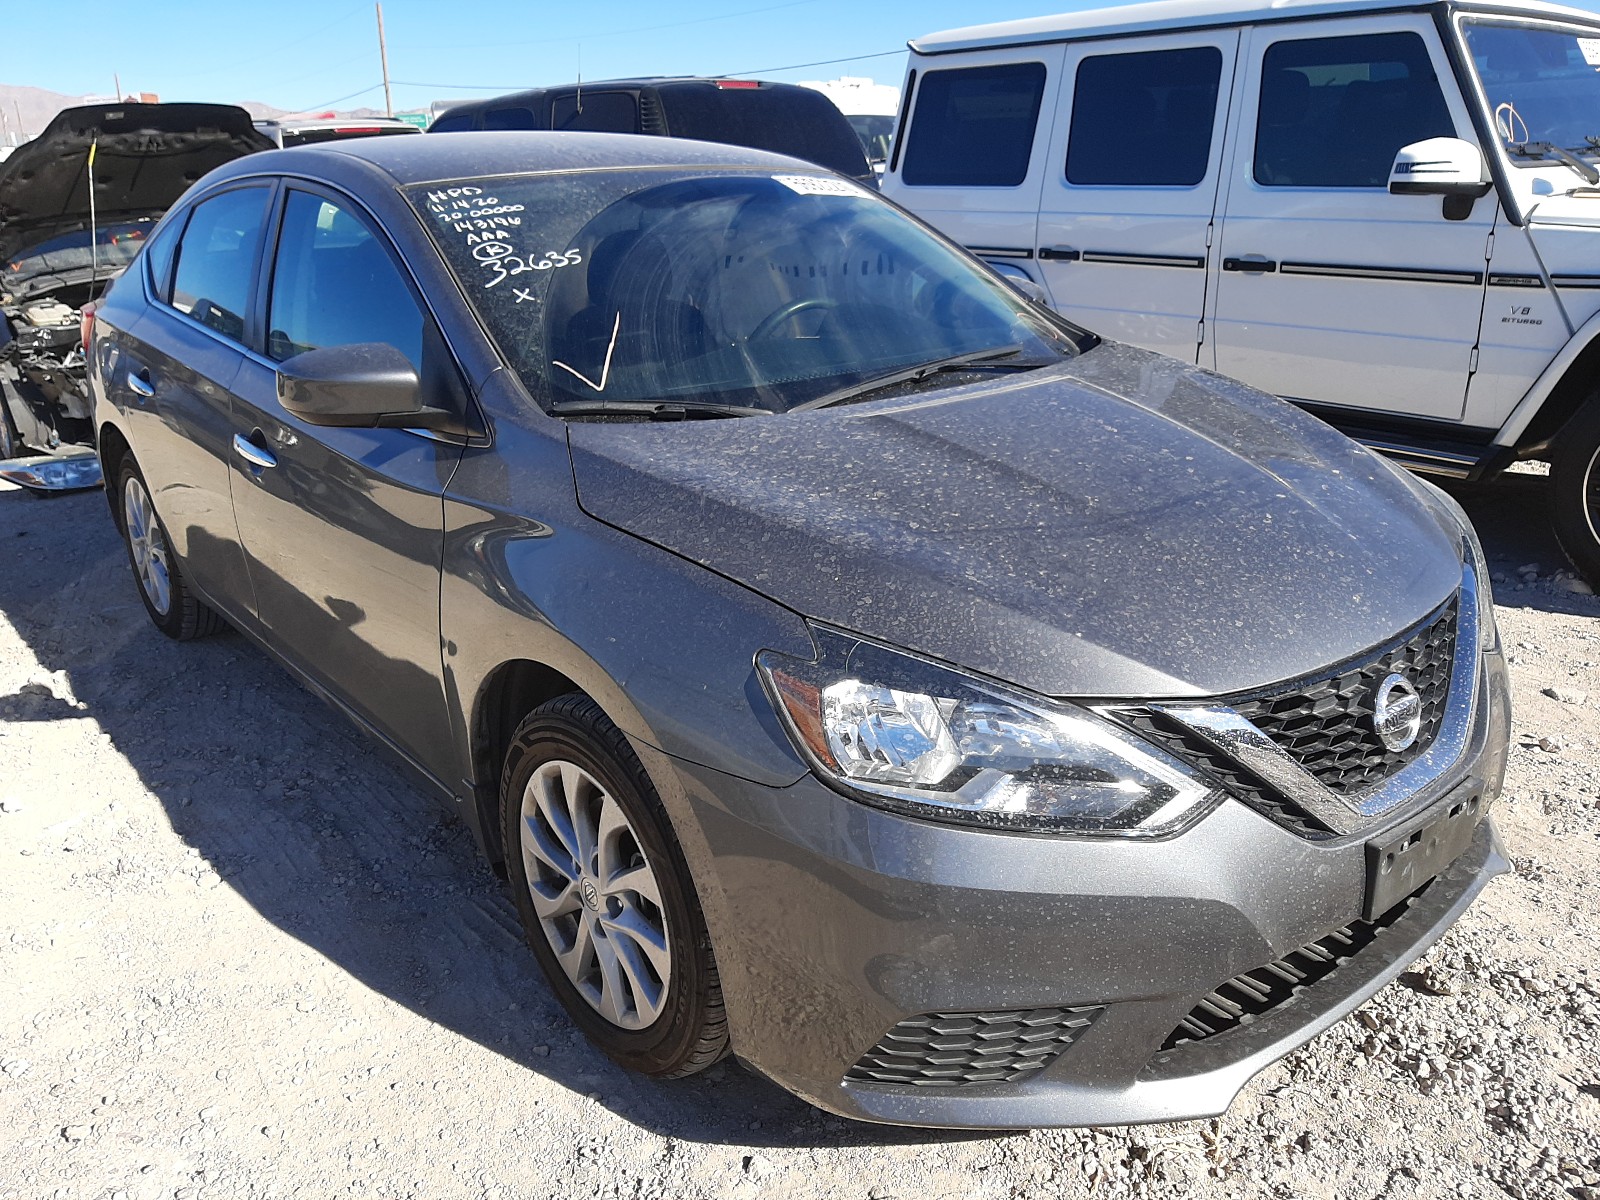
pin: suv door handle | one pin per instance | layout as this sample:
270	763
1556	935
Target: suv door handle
1059	254
256	456
1251	266
139	384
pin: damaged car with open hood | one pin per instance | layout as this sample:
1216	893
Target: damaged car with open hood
76	204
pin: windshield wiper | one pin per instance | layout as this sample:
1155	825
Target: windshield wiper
1551	150
656	410
975	359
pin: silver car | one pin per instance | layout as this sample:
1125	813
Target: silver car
963	720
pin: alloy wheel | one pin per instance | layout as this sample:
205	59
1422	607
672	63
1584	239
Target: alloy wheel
148	545
596	894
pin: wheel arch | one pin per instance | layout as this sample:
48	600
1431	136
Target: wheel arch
1556	396
112	447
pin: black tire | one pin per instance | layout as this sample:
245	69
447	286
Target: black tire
1575	490
691	1032
184	616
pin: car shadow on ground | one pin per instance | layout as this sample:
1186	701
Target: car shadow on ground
306	820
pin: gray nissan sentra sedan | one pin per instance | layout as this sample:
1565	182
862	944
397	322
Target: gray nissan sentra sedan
963	720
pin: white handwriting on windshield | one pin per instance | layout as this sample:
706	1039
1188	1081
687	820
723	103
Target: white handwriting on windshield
605	369
505	264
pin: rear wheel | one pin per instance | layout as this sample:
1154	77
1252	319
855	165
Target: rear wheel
174	609
1575	490
605	897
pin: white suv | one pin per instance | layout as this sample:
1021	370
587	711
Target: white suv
1388	213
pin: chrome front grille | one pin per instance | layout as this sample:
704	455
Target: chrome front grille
1308	754
1327	725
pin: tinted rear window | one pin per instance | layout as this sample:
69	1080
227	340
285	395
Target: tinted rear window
451	123
600	112
974	127
791	121
515	117
1144	119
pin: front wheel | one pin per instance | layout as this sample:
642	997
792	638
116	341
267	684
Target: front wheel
1575	491
605	898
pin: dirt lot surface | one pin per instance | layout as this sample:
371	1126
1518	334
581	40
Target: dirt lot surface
241	957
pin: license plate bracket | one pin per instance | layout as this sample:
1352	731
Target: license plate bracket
1421	848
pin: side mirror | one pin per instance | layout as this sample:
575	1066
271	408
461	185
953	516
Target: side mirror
366	384
1442	166
1021	282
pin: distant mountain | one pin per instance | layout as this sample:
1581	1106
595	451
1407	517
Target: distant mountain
24	111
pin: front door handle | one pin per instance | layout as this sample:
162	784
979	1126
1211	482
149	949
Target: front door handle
1250	266
1059	254
256	456
139	384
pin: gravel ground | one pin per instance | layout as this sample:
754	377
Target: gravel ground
243	957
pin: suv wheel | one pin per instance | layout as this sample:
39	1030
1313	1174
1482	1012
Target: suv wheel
173	608
606	901
1575	491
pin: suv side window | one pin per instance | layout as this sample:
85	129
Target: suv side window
974	126
1334	111
217	259
451	122
334	284
1144	119
602	112
517	117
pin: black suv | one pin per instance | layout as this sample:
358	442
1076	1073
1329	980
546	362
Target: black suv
778	117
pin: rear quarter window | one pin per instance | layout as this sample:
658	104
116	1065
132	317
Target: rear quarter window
515	117
451	123
974	126
596	112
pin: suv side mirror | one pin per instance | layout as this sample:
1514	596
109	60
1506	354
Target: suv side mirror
1443	166
368	384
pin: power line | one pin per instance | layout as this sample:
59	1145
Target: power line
339	99
826	62
234	66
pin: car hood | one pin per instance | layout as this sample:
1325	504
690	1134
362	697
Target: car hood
146	156
1119	526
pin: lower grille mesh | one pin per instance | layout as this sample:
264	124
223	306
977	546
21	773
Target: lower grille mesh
1253	994
957	1049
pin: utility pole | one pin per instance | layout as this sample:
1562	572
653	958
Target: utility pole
383	55
117	80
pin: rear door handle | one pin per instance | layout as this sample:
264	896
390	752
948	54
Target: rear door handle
256	456
1059	254
1250	266
139	384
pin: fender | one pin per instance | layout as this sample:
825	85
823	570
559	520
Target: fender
1586	339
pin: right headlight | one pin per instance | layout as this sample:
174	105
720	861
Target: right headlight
927	740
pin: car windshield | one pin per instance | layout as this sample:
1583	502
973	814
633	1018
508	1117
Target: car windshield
114	248
744	292
876	134
1543	85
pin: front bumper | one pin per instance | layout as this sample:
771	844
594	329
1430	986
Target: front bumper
833	922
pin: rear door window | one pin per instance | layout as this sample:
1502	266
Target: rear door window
596	112
1335	111
335	284
515	117
217	259
451	123
974	126
1144	119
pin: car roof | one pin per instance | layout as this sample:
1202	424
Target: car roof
1159	15
476	155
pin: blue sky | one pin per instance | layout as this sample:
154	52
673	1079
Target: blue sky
311	54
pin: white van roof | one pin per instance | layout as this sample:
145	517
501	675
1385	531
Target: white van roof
1160	15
